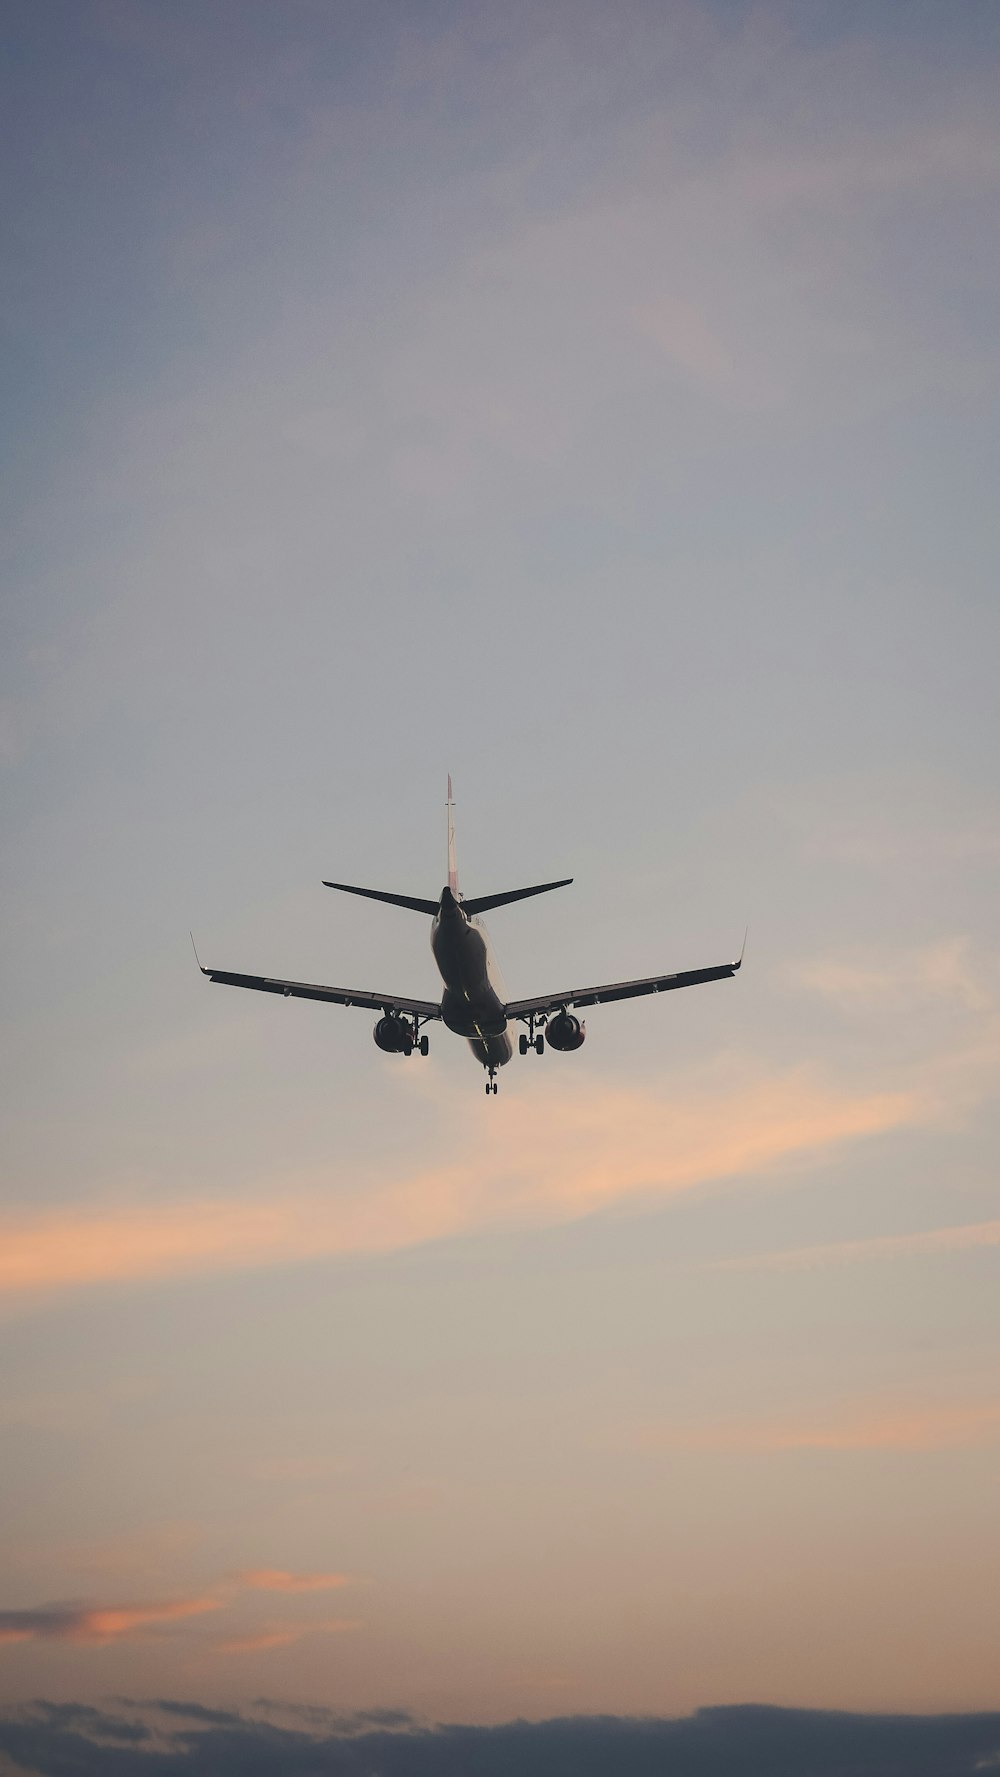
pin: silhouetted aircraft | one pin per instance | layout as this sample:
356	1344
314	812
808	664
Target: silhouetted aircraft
474	1003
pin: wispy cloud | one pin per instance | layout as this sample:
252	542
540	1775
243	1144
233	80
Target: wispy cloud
284	1635
555	1157
258	1643
930	1242
878	1426
276	1579
946	971
100	1623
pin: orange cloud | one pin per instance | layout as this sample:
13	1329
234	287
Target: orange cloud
275	1579
554	1154
116	1622
879	1427
98	1624
283	1636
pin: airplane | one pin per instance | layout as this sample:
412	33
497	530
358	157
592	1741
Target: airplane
474	1003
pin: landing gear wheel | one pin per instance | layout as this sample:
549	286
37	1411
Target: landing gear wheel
539	1044
522	1044
425	1044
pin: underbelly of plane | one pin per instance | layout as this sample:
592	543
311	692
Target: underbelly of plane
473	1016
492	1051
470	1005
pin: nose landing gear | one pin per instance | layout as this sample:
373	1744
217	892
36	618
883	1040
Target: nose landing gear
491	1084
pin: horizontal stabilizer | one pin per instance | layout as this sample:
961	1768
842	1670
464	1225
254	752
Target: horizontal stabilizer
412	901
483	903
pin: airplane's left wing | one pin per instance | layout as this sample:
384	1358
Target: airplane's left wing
618	990
338	996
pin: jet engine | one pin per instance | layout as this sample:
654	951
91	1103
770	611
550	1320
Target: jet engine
394	1035
565	1032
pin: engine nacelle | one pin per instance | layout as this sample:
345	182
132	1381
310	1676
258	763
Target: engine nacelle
394	1035
565	1032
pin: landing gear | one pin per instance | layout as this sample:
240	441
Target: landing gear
532	1041
491	1084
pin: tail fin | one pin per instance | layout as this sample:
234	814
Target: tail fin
452	854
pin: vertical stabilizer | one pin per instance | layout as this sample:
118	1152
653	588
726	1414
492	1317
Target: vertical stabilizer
452	855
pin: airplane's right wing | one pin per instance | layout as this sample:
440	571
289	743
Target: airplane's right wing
618	990
339	996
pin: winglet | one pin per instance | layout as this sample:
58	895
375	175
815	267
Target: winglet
743	947
197	958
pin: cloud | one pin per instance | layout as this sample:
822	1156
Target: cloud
267	1638
554	1156
948	970
872	1427
275	1579
99	1624
745	1741
284	1635
930	1243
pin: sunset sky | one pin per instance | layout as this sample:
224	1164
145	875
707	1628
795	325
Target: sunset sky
600	403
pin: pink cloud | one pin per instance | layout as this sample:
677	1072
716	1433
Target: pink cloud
554	1157
276	1579
99	1624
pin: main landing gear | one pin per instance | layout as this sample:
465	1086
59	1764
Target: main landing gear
532	1041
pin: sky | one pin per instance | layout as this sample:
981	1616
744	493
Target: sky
600	404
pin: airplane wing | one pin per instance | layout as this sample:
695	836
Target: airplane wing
338	996
618	990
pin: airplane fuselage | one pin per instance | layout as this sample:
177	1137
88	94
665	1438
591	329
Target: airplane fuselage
473	1004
